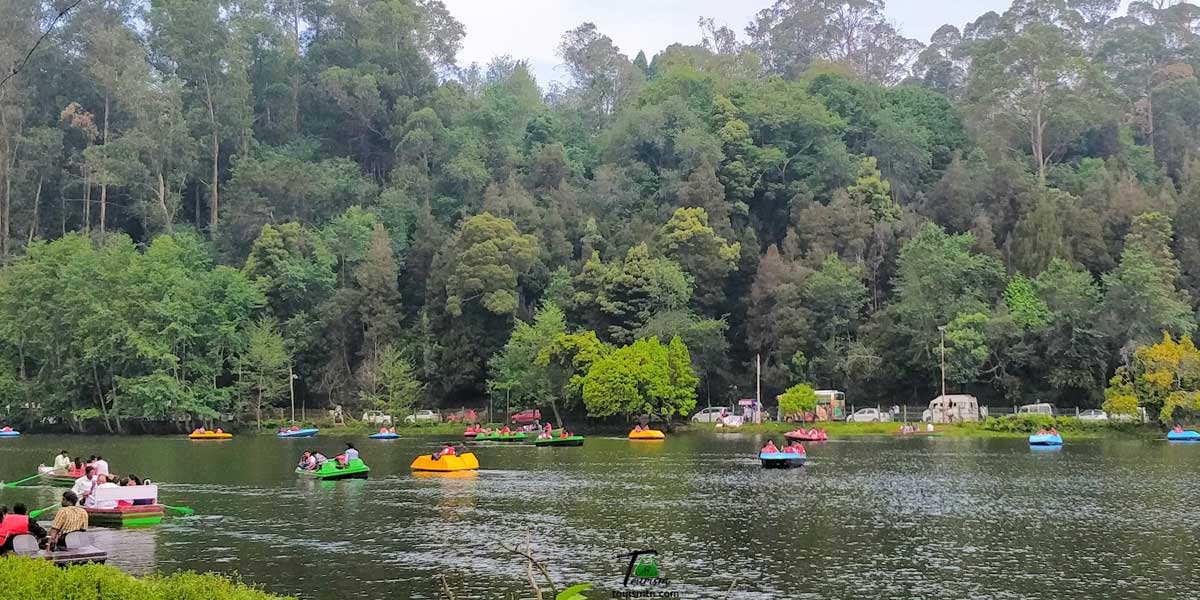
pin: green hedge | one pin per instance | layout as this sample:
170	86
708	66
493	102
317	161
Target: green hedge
1032	423
33	579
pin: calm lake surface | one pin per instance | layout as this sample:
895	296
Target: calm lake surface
868	517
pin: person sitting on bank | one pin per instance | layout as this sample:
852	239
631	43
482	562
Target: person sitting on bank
351	452
68	519
18	523
62	462
770	448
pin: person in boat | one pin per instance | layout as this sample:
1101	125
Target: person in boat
319	459
351	452
383	430
104	482
544	435
304	460
794	448
68	519
564	433
84	485
101	466
1053	431
18	523
505	430
1177	429
770	448
62	462
447	450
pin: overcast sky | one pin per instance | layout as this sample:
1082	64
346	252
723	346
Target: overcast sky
531	29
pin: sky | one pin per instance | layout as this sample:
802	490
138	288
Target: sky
532	29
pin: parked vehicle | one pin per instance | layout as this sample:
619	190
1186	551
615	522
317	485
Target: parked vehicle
1093	415
954	408
1040	408
423	416
869	415
527	417
831	405
376	417
711	414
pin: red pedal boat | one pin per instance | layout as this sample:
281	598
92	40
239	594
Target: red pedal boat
807	435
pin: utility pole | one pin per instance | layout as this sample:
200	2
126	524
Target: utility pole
758	388
292	391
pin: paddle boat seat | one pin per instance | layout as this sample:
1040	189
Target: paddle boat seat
144	508
80	549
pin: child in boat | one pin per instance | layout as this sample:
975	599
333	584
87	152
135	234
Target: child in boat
447	450
1177	429
770	448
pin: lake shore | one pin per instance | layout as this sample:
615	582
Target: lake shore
965	430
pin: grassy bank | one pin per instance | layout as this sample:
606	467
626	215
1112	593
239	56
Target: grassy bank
33	579
1004	427
359	428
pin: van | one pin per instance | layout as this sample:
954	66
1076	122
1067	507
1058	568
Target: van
954	408
1040	408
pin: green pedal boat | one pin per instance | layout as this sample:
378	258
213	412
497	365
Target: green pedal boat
330	471
520	436
571	440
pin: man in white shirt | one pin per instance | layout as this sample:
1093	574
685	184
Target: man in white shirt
351	453
101	466
84	485
62	462
105	483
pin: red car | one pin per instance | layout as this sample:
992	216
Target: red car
527	417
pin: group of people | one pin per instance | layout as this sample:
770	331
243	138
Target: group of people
311	461
548	433
387	430
792	448
94	479
915	428
201	430
448	450
69	518
1051	431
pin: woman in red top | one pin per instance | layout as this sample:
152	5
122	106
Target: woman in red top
769	448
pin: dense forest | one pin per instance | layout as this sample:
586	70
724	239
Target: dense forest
203	198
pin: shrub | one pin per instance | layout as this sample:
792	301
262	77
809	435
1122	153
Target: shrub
1032	423
24	578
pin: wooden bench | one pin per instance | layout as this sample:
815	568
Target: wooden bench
79	549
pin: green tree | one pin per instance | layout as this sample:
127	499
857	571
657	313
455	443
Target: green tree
645	377
797	400
688	240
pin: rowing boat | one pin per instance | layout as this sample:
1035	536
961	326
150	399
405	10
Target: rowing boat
331	471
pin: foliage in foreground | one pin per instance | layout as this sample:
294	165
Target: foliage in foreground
31	579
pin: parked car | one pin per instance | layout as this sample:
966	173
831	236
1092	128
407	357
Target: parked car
423	416
527	417
869	415
711	414
953	408
1093	415
376	417
1040	408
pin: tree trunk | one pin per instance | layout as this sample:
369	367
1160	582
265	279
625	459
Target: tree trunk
104	180
87	202
162	203
100	396
554	409
37	197
116	413
216	156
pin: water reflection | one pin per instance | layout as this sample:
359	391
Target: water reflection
874	517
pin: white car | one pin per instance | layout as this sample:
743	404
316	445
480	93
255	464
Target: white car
423	416
376	417
1093	415
869	415
1040	408
711	414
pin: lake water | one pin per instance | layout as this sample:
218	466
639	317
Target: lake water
867	517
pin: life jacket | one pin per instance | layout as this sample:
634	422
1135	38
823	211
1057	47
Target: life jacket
447	452
14	525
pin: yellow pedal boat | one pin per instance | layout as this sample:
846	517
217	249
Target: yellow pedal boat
446	464
647	434
209	435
